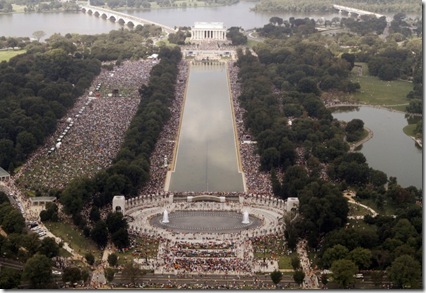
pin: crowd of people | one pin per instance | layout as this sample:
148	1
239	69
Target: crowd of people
311	279
95	129
256	181
162	155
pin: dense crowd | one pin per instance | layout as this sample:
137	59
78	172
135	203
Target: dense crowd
162	155
91	135
256	181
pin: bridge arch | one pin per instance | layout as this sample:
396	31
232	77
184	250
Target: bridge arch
130	20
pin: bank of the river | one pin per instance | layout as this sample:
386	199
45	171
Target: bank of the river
367	137
391	150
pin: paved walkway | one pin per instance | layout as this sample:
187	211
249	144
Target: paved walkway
311	280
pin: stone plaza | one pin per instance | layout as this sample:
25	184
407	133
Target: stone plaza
211	221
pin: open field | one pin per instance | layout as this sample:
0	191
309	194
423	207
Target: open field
6	55
75	239
410	129
356	210
392	94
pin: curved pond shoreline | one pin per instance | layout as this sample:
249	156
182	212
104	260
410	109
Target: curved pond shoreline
391	150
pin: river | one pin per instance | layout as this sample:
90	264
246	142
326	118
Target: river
239	14
407	167
206	158
390	150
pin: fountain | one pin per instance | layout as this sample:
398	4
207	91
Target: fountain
245	218
165	217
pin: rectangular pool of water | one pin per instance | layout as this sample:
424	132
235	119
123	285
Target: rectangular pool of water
206	157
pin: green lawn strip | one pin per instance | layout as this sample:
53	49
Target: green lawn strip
387	209
360	225
144	248
356	210
284	262
410	129
64	253
72	235
6	55
392	94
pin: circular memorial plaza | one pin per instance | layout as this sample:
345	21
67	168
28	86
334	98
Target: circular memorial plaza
250	216
205	221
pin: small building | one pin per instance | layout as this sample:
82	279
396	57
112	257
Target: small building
118	204
41	201
292	204
4	175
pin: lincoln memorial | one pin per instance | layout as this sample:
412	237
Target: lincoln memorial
208	31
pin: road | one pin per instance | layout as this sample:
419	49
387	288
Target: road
206	280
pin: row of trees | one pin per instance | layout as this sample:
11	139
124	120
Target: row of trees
312	149
37	89
279	28
39	86
24	247
130	169
146	4
307	6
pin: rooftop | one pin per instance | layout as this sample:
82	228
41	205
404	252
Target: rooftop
209	25
3	173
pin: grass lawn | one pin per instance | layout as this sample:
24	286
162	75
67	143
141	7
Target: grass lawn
356	210
387	209
410	129
147	247
6	55
378	92
284	261
74	237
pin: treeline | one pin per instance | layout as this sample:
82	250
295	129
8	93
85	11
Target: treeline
279	28
147	4
284	83
36	90
130	169
366	24
388	245
309	159
26	248
306	6
38	87
39	6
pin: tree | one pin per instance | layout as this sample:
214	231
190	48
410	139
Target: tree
38	35
361	257
49	247
109	274
112	259
332	254
299	276
90	258
9	278
354	125
13	222
276	277
132	271
295	262
405	272
38	271
71	274
99	233
343	272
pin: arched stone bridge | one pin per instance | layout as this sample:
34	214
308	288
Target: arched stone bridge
122	17
351	10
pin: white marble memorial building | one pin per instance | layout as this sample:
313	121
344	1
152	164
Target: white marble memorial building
208	31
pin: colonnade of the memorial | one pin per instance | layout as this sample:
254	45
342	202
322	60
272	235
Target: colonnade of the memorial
206	34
